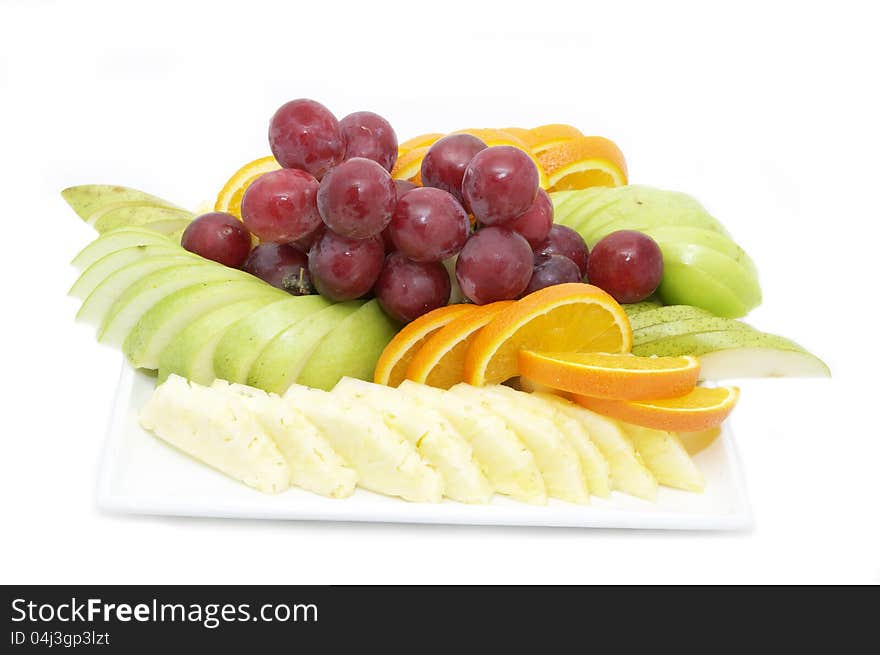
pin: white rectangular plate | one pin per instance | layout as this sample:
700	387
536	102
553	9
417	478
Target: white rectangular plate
142	475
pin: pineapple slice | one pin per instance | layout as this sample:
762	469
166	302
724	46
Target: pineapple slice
628	471
314	465
437	441
593	462
505	461
666	457
217	429
557	459
384	460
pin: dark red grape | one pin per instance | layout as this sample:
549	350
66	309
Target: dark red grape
370	136
403	186
219	237
555	269
429	225
495	264
357	198
343	268
499	184
305	243
535	223
445	162
304	134
627	264
562	240
282	266
281	205
408	289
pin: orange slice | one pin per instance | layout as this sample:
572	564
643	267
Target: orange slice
570	317
409	165
701	409
393	361
697	442
519	132
584	162
602	375
421	141
440	361
229	198
543	137
493	137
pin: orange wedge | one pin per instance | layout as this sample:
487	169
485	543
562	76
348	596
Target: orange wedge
697	442
570	317
519	132
440	361
229	198
421	141
584	162
543	137
409	165
393	361
701	409
493	137
620	376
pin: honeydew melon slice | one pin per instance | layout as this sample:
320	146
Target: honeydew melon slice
352	348
557	459
384	460
190	353
436	440
101	269
504	459
95	307
136	215
280	362
243	341
156	328
117	240
134	302
87	199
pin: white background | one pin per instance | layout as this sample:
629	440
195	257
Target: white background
767	113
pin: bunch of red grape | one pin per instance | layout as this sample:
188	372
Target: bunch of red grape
332	219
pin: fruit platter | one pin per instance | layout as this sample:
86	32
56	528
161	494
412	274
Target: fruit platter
487	326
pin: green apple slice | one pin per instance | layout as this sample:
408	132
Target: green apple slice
161	322
505	461
628	471
169	227
136	215
95	307
104	267
436	440
134	302
87	199
685	284
191	352
117	240
702	237
243	341
352	348
666	458
384	460
739	354
280	362
686	326
575	207
557	459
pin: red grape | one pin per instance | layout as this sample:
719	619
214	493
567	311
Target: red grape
562	240
555	269
305	243
357	198
281	205
429	225
535	223
305	134
282	266
343	268
403	186
499	184
370	136
219	237
627	264
408	289
445	162
495	264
